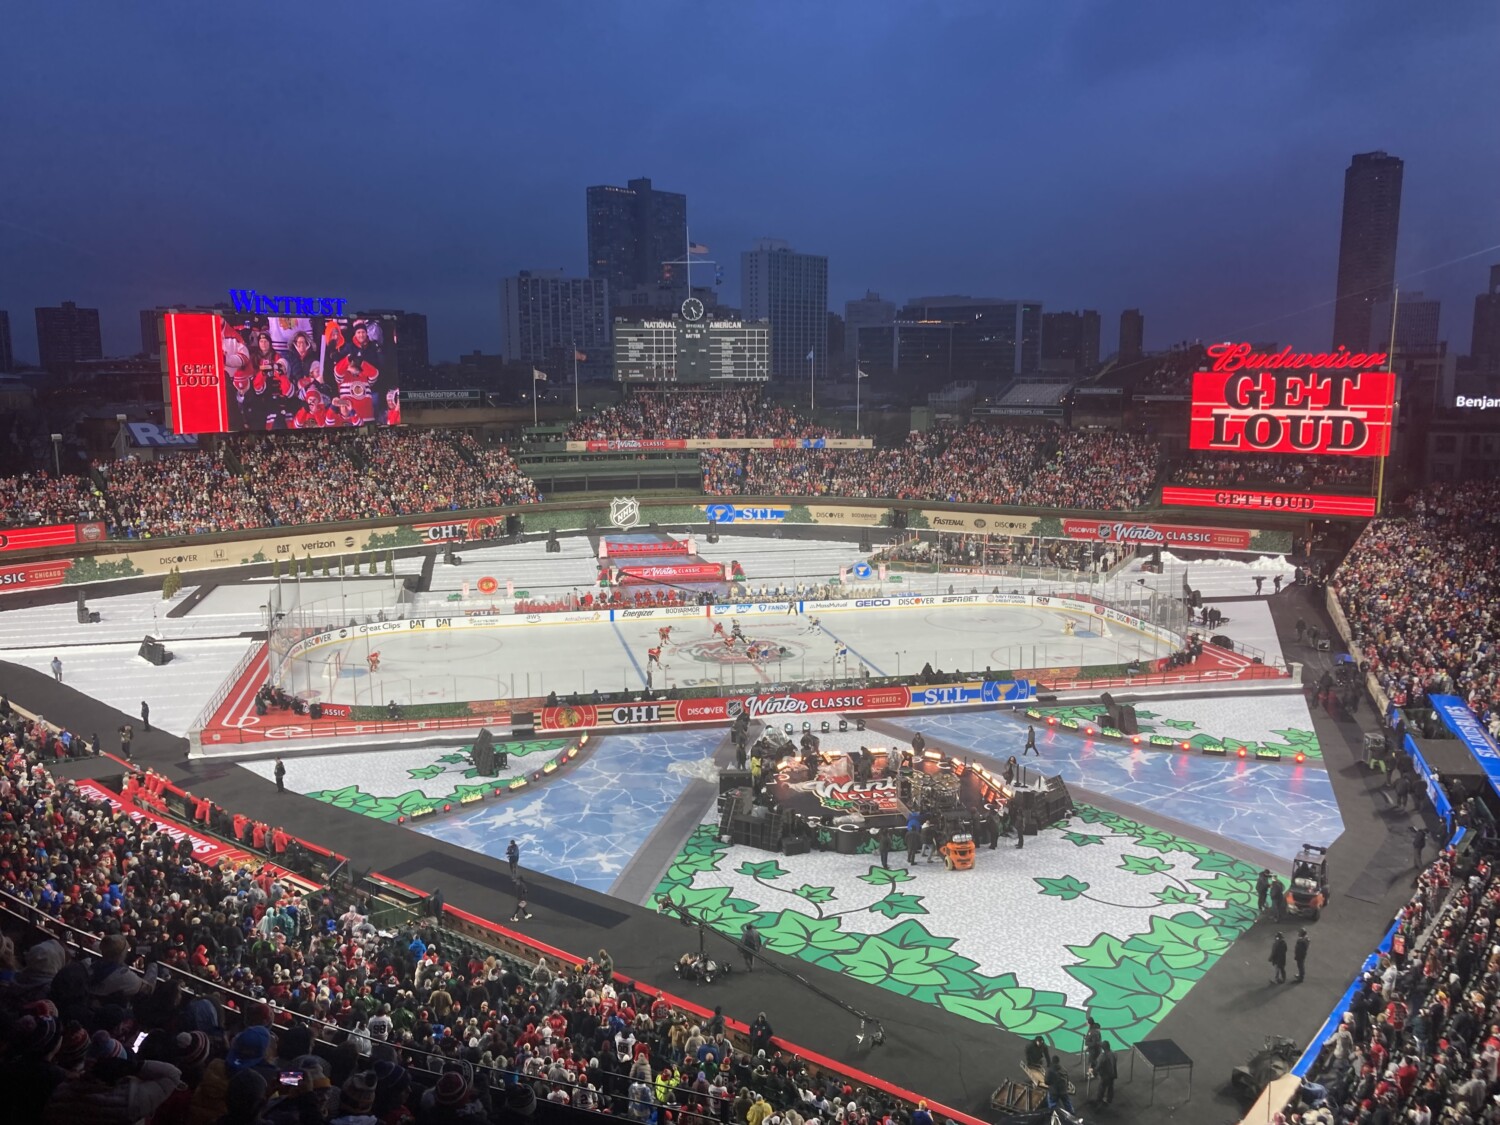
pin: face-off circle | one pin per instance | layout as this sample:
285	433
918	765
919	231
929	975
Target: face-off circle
715	651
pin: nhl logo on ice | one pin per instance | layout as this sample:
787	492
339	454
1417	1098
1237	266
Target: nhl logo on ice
625	512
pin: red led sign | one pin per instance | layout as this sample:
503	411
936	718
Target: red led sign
1273	408
30	538
1252	500
195	373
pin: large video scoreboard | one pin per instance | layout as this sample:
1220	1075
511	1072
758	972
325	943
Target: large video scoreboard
229	372
692	348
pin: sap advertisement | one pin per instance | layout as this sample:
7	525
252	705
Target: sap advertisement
1292	403
244	372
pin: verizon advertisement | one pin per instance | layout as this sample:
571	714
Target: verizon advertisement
1341	412
1252	500
1160	535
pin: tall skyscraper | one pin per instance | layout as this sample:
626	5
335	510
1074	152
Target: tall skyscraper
1367	245
1416	324
1132	336
992	338
791	291
1070	341
411	340
67	335
546	316
632	230
150	332
7	352
1485	347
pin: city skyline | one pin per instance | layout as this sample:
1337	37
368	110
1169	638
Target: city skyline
1216	215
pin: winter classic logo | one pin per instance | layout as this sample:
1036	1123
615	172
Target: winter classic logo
625	512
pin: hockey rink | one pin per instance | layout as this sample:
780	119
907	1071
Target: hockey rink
432	666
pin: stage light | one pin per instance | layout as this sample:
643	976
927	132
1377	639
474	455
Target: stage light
1187	745
1135	738
806	726
1241	751
447	808
401	820
826	727
1301	757
496	792
787	729
843	725
1052	720
1089	731
932	755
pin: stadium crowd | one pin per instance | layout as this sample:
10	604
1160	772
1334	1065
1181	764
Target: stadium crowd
741	412
977	463
187	494
1420	1042
1420	592
1224	470
43	498
237	993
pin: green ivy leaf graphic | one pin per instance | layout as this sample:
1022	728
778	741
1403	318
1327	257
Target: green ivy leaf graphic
1186	941
1234	868
1179	724
425	773
1155	840
817	940
1082	839
1139	714
715	906
454	759
1175	896
1066	888
815	894
896	904
1144	865
1232	919
687	865
1106	949
770	869
1226	889
1132	987
912	935
1020	1011
898	968
884	877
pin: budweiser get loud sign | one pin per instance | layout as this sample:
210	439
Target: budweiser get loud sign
1285	402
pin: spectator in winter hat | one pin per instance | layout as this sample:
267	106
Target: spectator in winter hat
357	1098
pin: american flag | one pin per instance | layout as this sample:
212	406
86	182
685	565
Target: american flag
697	248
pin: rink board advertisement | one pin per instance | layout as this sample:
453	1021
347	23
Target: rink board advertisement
778	708
1256	500
673	572
1467	728
1159	535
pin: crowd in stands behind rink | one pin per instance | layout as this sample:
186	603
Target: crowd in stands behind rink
1420	1043
44	498
1420	593
187	494
741	412
1225	470
977	463
232	994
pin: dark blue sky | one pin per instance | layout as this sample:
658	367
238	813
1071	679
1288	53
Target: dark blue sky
1183	157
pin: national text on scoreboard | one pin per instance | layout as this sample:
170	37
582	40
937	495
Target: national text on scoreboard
1290	402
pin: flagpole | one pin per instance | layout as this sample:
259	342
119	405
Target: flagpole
858	375
575	376
812	381
533	398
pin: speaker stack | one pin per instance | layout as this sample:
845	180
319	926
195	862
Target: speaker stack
486	760
1121	716
513	525
523	722
553	546
154	652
